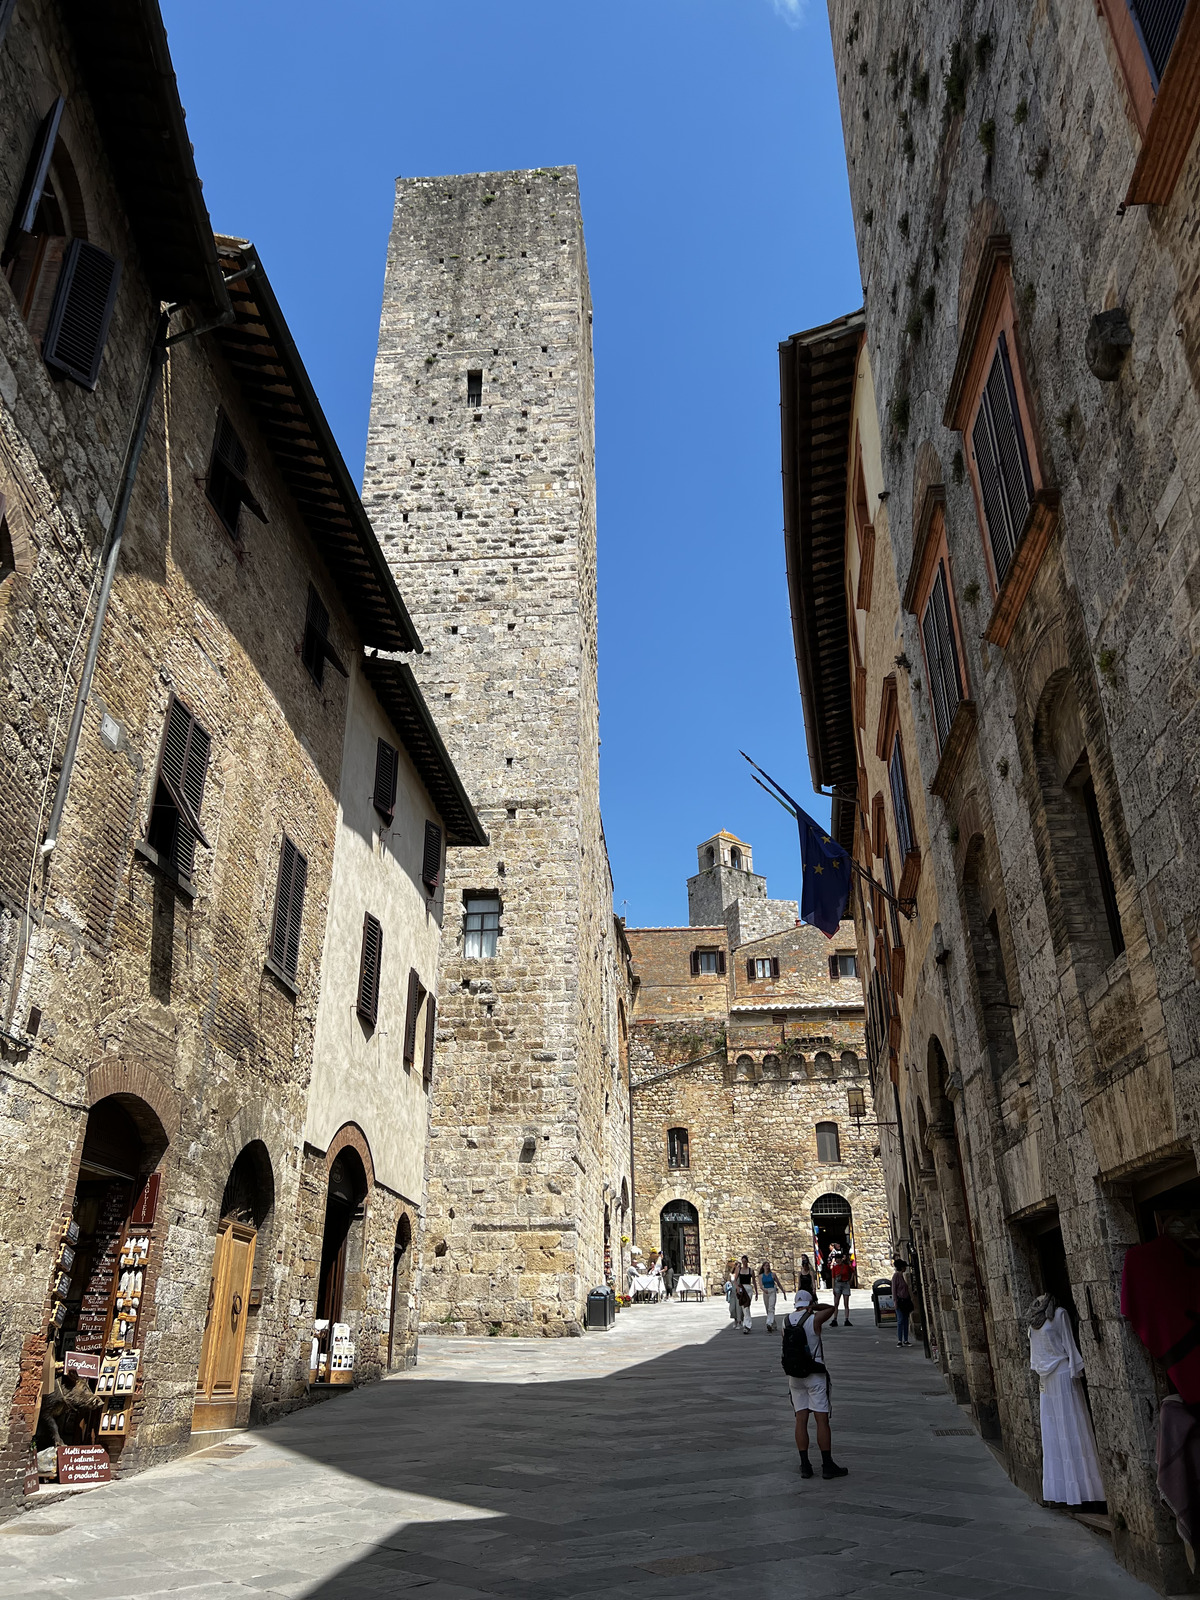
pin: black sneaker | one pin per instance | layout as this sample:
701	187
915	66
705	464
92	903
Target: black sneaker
806	1470
830	1469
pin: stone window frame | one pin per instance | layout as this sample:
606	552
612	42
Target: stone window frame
679	1157
696	961
931	556
823	1129
889	748
1165	113
992	313
470	895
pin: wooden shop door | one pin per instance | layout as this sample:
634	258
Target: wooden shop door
224	1328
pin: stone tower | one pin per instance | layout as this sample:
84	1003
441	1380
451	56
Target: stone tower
728	890
480	480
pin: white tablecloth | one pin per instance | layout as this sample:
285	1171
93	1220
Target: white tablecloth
646	1283
690	1283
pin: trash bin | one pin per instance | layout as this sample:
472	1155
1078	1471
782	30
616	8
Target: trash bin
601	1308
881	1300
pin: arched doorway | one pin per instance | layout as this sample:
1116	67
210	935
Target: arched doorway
339	1286
401	1278
680	1224
833	1228
102	1279
246	1203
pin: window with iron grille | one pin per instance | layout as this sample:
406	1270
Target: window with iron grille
1002	462
174	825
828	1147
899	787
677	1147
941	654
481	927
289	909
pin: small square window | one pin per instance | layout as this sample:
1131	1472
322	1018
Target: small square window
481	927
847	964
708	961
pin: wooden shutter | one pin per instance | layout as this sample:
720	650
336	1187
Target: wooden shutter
899	787
430	1039
182	769
774	966
835	972
431	857
750	970
410	1019
289	908
387	761
1158	23
33	184
1005	482
316	649
369	967
81	312
695	963
721	961
941	652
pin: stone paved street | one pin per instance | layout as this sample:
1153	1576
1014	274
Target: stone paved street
655	1460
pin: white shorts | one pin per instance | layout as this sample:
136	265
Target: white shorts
811	1393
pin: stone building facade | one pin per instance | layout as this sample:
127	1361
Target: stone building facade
481	480
752	1107
171	495
1023	187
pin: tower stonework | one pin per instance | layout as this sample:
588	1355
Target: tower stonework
480	480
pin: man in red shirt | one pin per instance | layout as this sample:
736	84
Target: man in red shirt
841	1285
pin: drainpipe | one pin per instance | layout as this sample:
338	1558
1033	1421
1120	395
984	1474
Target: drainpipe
158	354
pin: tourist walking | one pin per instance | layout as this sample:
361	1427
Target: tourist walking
808	1380
902	1300
744	1289
769	1285
841	1273
804	1279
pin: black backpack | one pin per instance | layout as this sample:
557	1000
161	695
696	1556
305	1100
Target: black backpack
796	1356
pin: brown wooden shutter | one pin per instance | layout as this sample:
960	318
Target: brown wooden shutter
750	970
369	967
82	310
431	857
835	972
316	649
774	966
387	761
430	1039
182	768
410	1019
289	908
33	184
695	963
721	961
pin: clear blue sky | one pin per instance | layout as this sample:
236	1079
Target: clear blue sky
709	149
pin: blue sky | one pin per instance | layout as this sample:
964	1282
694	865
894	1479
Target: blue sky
708	142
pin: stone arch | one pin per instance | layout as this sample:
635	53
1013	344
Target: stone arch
851	1064
402	1277
770	1065
744	1066
824	1065
134	1081
249	1193
649	1218
986	931
350	1136
1047	658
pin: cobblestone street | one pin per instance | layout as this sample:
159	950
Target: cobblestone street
653	1460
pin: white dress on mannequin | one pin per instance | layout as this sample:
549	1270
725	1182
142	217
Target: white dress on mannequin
1070	1466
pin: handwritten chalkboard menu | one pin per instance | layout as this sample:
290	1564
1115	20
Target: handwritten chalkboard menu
101	1208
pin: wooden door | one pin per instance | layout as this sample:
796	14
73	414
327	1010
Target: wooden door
224	1328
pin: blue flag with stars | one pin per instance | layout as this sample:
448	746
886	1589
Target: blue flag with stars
826	888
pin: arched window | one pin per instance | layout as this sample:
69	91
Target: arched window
745	1066
770	1065
987	955
823	1062
710	856
850	1064
677	1148
828	1148
735	858
1080	857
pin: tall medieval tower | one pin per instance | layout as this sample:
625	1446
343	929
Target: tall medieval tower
480	480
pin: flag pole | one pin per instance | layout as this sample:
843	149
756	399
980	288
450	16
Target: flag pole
906	908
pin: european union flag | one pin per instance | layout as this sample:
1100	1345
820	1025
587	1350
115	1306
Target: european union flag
826	889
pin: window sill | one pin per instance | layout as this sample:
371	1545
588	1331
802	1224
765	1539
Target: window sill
962	730
164	868
1026	561
1173	120
281	977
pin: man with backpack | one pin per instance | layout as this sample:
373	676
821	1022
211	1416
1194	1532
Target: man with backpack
808	1381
